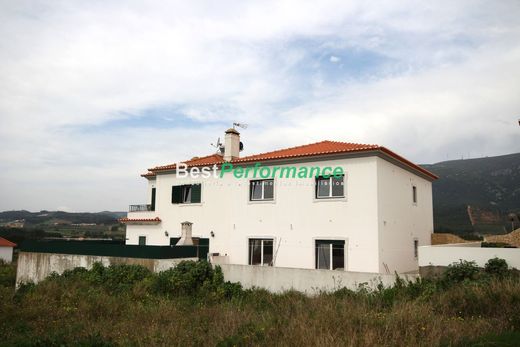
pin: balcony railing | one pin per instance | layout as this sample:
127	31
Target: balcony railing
140	208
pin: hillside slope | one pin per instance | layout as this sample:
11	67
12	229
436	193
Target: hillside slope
491	186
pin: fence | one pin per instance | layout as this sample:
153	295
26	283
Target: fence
111	249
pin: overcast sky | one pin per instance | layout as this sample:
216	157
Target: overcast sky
94	92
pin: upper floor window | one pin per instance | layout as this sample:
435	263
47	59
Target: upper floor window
186	194
414	194
330	187
261	190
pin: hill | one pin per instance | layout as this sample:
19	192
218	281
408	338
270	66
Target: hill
489	186
60	217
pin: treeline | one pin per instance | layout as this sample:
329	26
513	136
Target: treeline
106	218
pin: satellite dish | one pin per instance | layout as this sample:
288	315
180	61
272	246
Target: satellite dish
218	146
241	146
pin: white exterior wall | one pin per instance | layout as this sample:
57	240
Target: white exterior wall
400	220
294	219
377	218
6	254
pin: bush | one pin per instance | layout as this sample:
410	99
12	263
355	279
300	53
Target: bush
497	267
7	274
461	271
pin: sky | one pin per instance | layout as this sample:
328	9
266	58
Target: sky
92	93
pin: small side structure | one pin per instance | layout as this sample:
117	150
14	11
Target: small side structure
6	250
38	259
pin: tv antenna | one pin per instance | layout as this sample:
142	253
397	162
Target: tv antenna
240	125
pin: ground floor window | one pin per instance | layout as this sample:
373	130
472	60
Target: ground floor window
142	240
261	252
330	254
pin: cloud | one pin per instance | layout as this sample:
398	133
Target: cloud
93	93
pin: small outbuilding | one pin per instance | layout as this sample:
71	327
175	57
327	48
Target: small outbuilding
6	250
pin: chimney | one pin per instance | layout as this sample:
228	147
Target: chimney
231	144
186	239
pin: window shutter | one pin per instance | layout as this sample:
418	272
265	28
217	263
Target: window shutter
176	194
152	205
195	193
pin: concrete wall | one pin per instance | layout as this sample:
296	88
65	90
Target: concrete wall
446	255
278	279
34	267
401	221
295	219
6	254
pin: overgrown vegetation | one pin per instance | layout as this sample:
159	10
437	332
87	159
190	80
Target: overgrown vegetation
192	305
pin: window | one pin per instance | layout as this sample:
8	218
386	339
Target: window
186	194
152	205
330	254
261	252
416	249
330	187
261	190
414	194
142	240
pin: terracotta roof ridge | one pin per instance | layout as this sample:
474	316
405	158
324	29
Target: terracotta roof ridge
295	147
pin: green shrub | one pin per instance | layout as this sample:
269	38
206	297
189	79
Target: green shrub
497	267
461	271
7	274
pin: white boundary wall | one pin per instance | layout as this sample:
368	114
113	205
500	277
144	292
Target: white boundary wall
308	281
35	267
444	255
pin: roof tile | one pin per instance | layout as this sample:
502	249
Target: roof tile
6	243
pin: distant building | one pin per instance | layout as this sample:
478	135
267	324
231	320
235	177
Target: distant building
16	224
6	250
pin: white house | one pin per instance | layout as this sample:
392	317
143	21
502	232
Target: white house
6	250
371	216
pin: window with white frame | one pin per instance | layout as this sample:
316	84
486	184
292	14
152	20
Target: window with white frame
261	252
261	190
330	187
330	254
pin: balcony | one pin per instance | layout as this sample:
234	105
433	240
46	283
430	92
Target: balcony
141	208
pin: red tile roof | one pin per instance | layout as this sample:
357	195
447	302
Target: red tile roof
196	161
155	220
149	174
6	243
311	150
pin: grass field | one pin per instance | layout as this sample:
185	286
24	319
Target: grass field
192	306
